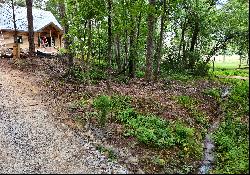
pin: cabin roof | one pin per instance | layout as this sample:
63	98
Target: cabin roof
41	18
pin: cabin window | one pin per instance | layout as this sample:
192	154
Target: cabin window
19	39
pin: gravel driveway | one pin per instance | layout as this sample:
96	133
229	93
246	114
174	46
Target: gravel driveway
31	141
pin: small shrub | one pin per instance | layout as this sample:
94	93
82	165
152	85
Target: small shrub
201	69
149	130
119	102
140	74
97	74
183	132
102	103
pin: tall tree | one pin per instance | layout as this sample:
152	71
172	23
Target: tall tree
14	20
110	31
67	41
150	40
30	26
159	44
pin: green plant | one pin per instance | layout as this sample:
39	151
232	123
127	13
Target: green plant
183	132
76	73
139	74
153	131
108	152
213	92
191	104
187	101
200	118
120	102
201	68
158	161
97	74
150	130
102	103
62	51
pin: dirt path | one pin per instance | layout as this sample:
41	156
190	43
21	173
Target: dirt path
32	141
235	77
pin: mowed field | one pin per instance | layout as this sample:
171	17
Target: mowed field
229	65
229	62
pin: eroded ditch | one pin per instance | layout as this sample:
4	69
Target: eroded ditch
209	145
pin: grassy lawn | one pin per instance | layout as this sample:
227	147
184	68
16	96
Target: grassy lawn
229	66
229	62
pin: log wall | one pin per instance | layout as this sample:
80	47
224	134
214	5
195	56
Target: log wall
9	39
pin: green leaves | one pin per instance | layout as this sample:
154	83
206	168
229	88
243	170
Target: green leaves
154	131
103	104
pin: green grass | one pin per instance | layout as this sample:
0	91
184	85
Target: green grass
229	67
231	72
230	62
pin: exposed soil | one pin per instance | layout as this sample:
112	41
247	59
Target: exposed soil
32	140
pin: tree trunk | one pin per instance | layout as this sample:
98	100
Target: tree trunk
14	20
125	62
30	27
183	29
67	41
194	36
132	53
150	40
15	46
118	52
109	31
159	44
89	42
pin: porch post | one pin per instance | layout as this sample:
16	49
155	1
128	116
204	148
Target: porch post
39	40
59	41
50	38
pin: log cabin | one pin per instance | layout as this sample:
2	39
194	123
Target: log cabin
44	24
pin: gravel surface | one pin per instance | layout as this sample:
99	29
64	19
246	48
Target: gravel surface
31	141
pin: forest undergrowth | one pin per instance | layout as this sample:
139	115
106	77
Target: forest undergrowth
162	124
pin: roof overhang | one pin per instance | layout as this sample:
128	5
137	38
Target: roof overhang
50	24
